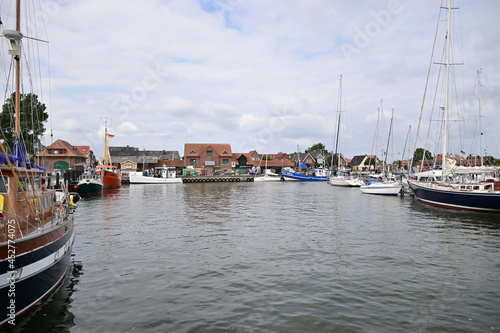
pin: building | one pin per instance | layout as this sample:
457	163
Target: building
132	159
210	157
61	155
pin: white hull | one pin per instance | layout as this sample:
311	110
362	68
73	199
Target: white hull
345	181
267	178
140	179
382	188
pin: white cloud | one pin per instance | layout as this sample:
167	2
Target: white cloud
251	73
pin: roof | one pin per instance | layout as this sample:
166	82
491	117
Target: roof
357	160
61	144
196	149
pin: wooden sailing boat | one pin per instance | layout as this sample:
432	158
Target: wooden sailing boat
36	223
111	177
451	191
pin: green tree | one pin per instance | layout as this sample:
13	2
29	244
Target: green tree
32	119
317	147
421	154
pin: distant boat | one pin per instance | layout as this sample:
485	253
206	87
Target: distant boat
161	175
267	177
89	183
454	188
37	227
318	174
342	177
385	185
111	178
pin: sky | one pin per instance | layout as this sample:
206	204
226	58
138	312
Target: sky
257	74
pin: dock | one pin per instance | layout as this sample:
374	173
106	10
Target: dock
217	179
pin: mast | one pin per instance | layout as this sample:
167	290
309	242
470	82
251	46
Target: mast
447	94
107	156
339	109
481	150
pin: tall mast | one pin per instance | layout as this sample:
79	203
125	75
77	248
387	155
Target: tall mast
481	150
17	59
107	155
447	93
339	109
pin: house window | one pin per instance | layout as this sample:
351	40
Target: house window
225	161
209	153
225	152
192	162
192	152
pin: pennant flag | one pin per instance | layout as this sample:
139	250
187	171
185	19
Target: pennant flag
462	152
112	136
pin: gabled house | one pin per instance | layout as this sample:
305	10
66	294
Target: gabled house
61	155
209	156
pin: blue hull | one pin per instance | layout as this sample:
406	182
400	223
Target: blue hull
301	177
485	202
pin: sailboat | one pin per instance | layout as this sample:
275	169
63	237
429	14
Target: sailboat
111	178
268	176
342	177
451	190
36	222
385	185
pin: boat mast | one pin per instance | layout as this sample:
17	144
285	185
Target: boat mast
481	150
107	156
339	109
447	92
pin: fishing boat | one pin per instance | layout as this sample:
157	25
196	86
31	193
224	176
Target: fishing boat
36	222
318	174
160	175
341	177
89	183
111	177
465	188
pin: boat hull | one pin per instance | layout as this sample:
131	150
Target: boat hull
441	197
110	179
266	178
41	264
381	189
141	179
346	182
294	176
88	188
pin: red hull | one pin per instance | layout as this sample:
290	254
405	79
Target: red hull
110	179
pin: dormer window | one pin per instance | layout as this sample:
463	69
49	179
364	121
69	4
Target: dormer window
192	152
224	152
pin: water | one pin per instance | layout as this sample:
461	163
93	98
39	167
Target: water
274	257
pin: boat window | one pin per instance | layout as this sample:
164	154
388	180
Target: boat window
487	187
4	184
22	184
476	187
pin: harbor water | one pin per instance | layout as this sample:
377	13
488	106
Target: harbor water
274	257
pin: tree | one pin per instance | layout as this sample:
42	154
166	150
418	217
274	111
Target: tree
32	119
317	147
421	154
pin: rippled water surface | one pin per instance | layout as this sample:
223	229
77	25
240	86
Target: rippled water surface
274	257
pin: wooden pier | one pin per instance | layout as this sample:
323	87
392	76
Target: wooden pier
217	179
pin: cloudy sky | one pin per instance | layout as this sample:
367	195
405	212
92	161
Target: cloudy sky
258	74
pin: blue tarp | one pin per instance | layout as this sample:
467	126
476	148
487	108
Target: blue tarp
302	165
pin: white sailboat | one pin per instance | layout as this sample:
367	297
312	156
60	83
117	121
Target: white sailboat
385	185
341	177
456	188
